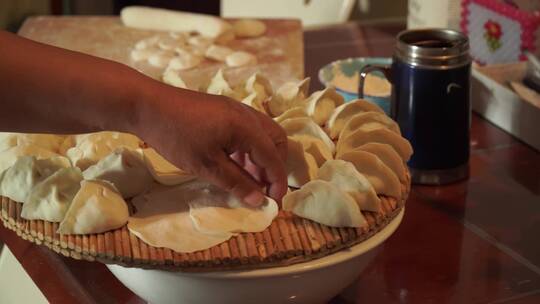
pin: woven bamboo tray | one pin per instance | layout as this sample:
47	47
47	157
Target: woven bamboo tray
288	240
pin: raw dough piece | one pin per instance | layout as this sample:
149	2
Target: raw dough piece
97	207
306	126
388	156
252	101
160	59
150	42
249	28
173	78
167	20
383	180
169	43
163	171
10	156
321	104
367	121
219	86
218	53
301	166
184	62
240	58
17	181
382	135
342	114
50	199
316	147
344	175
289	95
45	141
324	203
125	169
141	55
291	113
259	85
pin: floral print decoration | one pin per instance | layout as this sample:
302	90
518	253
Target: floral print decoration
492	35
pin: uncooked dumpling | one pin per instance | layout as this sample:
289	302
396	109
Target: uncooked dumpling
316	147
160	58
291	113
184	62
248	28
388	156
240	58
324	203
342	113
97	207
163	171
219	86
381	135
10	156
92	147
49	142
321	104
125	169
301	166
252	101
368	121
217	52
260	86
172	77
17	181
306	126
344	175
50	199
289	95
162	220
383	180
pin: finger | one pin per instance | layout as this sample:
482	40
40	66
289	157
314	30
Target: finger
239	158
226	174
274	131
254	170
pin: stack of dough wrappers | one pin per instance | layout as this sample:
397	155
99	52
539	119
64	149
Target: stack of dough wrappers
346	174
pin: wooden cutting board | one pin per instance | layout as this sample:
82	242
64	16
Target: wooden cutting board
280	52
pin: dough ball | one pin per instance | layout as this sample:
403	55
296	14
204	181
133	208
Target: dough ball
249	28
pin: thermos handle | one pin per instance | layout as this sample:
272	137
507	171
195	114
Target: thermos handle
386	70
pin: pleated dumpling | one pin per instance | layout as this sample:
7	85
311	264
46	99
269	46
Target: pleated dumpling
10	155
388	156
316	147
321	104
48	142
17	181
344	175
291	113
97	207
324	203
124	168
301	166
219	86
259	86
383	180
342	113
382	135
289	95
253	101
49	200
368	121
163	171
306	126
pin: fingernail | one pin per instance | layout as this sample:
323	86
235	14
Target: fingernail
255	198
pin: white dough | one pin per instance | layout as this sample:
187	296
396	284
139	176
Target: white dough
366	121
289	95
321	104
149	42
97	207
184	62
249	28
291	113
169	43
163	171
10	156
142	55
252	101
388	156
217	52
160	59
342	113
301	166
380	135
316	147
49	142
324	203
260	86
306	126
172	77
219	86
240	58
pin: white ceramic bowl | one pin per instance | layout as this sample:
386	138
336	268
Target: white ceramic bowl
311	282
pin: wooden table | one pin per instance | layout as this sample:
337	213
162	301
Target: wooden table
476	241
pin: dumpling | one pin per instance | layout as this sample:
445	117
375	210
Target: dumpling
124	168
17	181
315	147
344	175
383	136
97	207
383	180
10	156
306	126
163	171
342	113
291	113
91	148
301	166
324	203
172	77
289	95
219	86
50	199
321	104
252	101
48	142
163	220
388	156
368	121
260	86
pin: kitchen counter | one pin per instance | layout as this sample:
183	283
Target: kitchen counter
476	241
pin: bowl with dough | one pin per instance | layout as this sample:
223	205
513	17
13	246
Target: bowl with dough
315	281
344	76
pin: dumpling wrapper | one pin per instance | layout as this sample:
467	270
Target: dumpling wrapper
368	121
324	203
259	85
301	166
306	126
10	156
380	135
342	114
163	171
388	156
125	169
48	142
289	95
383	180
50	199
315	147
344	175
291	113
17	181
90	148
321	104
97	207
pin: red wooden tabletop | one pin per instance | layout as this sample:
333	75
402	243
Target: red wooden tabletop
476	241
